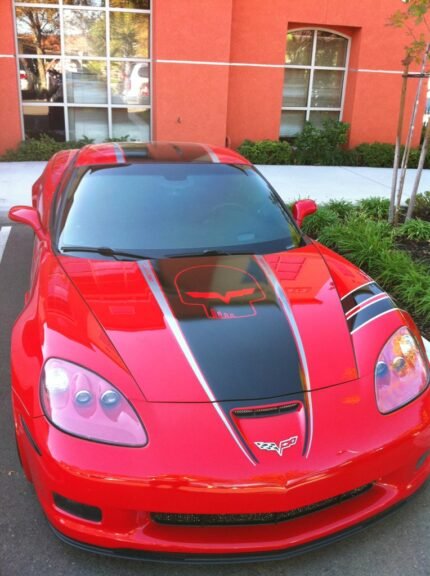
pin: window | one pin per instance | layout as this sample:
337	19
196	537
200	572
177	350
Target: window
314	81
84	68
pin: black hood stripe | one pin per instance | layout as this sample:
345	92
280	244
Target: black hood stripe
360	295
235	326
370	313
153	283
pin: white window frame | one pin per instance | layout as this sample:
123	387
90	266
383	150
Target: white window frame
62	57
312	67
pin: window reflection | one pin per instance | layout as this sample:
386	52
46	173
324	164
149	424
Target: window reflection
41	80
129	35
69	60
296	86
88	122
299	47
292	123
140	4
95	3
318	118
327	89
86	81
131	122
315	66
40	120
84	33
130	82
38	30
331	50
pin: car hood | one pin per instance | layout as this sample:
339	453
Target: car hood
229	328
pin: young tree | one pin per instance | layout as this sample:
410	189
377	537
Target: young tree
412	17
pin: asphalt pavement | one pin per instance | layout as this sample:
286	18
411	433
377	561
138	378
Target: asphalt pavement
398	545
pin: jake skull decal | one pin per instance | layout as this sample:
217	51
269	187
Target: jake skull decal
222	292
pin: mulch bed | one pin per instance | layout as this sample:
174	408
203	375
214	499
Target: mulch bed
418	251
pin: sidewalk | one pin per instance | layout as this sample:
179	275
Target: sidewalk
321	183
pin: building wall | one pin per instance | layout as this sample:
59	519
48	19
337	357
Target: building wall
10	123
218	68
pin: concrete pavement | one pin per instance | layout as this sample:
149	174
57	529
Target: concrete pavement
321	183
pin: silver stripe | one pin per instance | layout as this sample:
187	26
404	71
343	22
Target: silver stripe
289	314
120	156
358	288
211	154
373	300
148	273
374	318
4	235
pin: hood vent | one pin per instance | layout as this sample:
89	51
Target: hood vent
265	411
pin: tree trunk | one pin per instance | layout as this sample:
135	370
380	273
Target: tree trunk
406	152
423	155
406	63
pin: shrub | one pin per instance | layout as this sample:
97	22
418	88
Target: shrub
321	146
369	244
266	152
40	149
343	208
416	230
422	206
359	239
376	155
315	223
374	208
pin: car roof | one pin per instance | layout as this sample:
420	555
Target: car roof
156	152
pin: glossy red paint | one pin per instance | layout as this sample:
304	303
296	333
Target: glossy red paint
103	315
303	208
100	154
45	186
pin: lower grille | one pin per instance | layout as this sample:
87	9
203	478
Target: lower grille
263	518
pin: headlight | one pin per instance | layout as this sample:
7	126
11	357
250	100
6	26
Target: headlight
83	404
401	372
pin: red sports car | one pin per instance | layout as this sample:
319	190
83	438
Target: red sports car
193	379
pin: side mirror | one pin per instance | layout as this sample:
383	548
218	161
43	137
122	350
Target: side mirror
28	216
303	208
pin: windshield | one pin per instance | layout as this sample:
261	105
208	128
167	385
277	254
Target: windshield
163	210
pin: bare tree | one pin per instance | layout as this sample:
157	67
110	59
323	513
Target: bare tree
411	19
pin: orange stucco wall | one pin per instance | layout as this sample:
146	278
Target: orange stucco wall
10	122
205	89
246	102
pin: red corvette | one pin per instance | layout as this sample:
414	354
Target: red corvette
193	379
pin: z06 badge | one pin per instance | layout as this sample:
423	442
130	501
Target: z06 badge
283	445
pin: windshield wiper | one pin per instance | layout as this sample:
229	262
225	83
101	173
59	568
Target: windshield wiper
208	253
104	251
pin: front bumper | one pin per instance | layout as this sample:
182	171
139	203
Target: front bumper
353	446
241	558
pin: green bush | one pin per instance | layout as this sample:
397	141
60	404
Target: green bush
267	152
369	245
422	206
322	218
374	208
343	208
416	230
376	155
40	149
321	146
